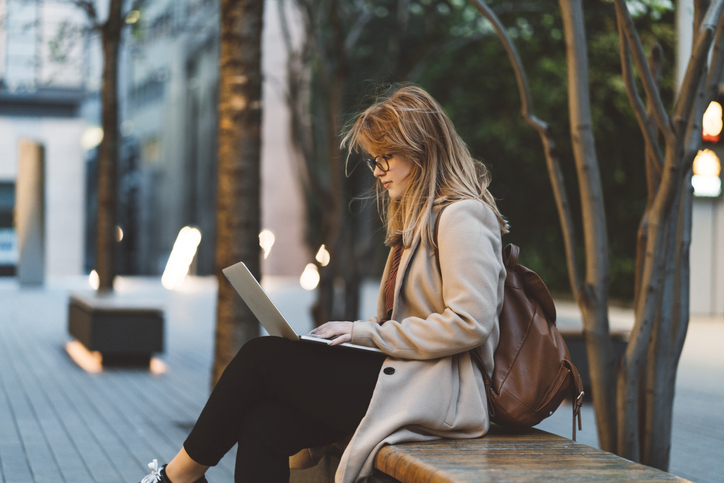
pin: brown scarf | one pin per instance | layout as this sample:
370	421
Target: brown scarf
390	284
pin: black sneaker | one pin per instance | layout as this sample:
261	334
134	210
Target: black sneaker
158	475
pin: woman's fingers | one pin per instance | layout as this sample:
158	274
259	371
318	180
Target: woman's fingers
340	331
341	339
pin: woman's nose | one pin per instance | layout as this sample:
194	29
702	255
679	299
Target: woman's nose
378	172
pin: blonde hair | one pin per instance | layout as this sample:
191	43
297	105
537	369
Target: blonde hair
408	122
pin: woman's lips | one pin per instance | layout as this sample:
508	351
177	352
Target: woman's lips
386	183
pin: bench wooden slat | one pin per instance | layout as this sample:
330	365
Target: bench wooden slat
508	455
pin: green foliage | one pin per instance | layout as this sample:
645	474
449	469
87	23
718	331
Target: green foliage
477	87
64	40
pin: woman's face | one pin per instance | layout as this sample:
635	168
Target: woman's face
396	178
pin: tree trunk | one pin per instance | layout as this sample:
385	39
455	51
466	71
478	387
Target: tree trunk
238	205
648	310
661	370
593	299
108	151
325	308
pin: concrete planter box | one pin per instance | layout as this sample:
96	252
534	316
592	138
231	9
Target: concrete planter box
121	330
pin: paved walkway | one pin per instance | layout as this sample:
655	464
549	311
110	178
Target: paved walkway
59	423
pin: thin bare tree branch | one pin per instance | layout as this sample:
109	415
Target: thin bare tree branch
645	125
700	8
684	103
403	15
639	57
655	67
695	126
284	23
653	176
354	34
302	136
717	62
88	6
554	170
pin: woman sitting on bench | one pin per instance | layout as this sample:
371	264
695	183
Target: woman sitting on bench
437	313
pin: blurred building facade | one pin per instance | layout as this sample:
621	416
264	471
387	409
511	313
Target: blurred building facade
45	75
170	71
49	85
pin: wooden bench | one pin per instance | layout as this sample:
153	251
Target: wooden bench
504	454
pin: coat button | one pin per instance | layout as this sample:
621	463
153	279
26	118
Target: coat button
389	370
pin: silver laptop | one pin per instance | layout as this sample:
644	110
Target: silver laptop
264	309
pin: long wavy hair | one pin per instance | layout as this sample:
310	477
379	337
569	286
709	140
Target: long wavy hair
408	122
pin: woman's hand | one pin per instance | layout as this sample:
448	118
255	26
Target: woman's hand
338	332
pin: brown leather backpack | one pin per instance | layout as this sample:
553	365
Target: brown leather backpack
533	371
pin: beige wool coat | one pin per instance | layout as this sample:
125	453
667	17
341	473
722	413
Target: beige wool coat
429	387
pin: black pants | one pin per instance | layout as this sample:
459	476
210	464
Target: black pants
277	397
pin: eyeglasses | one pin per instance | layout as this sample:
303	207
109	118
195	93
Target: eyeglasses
383	164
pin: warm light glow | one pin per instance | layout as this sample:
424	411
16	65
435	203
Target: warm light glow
93	280
133	16
92	137
182	254
89	361
266	241
310	277
706	181
707	163
119	233
157	366
712	123
322	256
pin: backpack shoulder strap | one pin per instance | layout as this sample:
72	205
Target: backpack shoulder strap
510	256
434	237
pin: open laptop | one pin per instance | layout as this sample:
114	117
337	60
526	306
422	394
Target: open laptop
264	309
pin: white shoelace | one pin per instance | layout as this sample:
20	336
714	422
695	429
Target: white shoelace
155	475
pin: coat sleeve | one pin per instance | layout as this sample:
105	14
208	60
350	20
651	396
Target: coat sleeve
472	274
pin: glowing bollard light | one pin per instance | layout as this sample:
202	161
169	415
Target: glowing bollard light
94	280
712	123
182	254
91	137
266	241
310	277
157	366
706	180
323	256
89	361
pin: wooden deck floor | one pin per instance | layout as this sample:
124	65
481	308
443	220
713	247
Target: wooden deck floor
59	423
